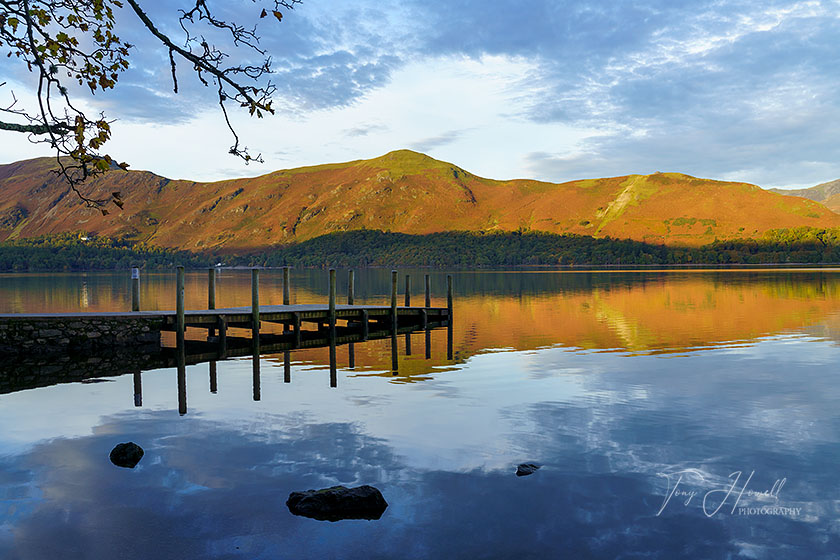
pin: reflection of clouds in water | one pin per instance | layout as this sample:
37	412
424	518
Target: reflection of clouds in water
209	490
716	412
443	451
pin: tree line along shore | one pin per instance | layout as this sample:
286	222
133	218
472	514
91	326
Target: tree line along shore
80	251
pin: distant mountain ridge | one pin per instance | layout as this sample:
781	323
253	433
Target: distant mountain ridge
402	191
828	194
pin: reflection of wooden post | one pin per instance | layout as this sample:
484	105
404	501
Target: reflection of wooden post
287	367
255	301
408	344
138	389
449	340
394	301
214	381
351	355
428	291
428	343
182	378
365	324
287	292
222	322
255	364
179	305
296	316
395	359
333	372
135	289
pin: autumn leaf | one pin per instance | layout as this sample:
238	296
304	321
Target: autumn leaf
278	15
263	13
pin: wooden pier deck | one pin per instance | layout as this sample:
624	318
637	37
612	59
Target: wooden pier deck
242	317
24	333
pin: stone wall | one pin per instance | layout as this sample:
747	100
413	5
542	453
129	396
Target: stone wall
73	334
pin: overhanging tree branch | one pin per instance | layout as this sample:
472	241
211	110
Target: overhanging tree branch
75	41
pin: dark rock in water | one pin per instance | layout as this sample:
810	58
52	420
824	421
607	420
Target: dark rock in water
126	455
338	502
526	468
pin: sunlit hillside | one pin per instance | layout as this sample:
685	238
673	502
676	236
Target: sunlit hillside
402	191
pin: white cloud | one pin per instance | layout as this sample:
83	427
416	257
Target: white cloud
426	99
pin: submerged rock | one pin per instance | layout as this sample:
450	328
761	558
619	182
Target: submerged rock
338	502
526	468
126	455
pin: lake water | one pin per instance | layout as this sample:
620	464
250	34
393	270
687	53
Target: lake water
683	414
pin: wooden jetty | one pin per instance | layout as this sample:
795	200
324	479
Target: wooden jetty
53	333
133	339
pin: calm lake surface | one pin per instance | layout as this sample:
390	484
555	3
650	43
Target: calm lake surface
682	414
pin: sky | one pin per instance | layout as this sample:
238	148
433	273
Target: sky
550	90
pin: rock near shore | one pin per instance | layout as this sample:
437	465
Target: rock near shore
126	455
337	503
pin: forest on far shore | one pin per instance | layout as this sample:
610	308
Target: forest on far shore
82	251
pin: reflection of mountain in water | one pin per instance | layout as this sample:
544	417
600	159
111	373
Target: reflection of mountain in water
640	312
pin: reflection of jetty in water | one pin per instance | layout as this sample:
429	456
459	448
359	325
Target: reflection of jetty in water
639	312
23	374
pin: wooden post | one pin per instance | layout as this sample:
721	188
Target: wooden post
211	295
449	295
428	343
135	289
287	367
255	301
428	291
449	332
394	301
408	344
287	292
211	288
407	290
351	297
332	303
179	306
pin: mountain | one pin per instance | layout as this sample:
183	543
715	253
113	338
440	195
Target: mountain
402	191
828	194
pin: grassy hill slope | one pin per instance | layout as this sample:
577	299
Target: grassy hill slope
402	191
